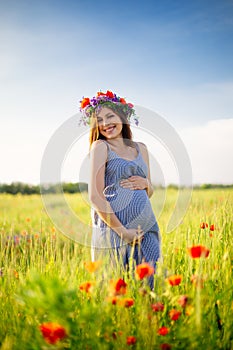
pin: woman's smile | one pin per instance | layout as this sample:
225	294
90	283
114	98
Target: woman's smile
109	129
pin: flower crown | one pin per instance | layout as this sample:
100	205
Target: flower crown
109	99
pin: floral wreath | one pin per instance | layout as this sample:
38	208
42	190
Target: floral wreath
88	106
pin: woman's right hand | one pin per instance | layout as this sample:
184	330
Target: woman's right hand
133	236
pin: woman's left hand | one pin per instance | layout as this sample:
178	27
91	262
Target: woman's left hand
134	183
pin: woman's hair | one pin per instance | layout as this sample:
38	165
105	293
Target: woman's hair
126	131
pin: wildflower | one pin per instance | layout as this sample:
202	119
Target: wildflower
113	300
183	299
126	302
86	287
110	94
131	340
28	219
163	331
118	287
212	227
122	100
52	332
157	307
203	225
165	346
174	314
175	280
92	266
144	270
85	102
198	251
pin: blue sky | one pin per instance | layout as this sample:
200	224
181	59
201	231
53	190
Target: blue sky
174	57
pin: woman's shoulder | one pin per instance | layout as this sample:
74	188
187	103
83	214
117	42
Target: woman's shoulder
99	151
100	144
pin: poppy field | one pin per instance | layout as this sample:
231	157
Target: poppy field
54	297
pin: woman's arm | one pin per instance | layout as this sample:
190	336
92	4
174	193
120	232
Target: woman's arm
98	158
145	155
136	182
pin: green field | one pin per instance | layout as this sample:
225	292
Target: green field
41	272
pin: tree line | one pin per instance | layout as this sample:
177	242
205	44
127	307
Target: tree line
70	187
19	187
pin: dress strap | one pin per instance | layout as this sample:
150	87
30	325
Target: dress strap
109	149
137	147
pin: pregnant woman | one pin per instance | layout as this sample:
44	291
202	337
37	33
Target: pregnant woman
124	225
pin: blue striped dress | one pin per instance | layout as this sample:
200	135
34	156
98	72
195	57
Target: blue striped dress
132	208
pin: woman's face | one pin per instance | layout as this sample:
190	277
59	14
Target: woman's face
109	123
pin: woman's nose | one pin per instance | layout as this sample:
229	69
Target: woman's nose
105	122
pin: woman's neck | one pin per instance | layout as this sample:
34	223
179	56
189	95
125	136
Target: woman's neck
117	143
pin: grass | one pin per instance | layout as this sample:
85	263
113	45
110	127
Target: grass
41	272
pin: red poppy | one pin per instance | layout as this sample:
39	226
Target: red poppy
157	307
113	300
203	225
183	299
165	346
92	266
174	314
126	302
86	287
163	331
131	340
175	280
52	332
122	100
144	270
85	102
118	287
110	94
212	227
198	251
